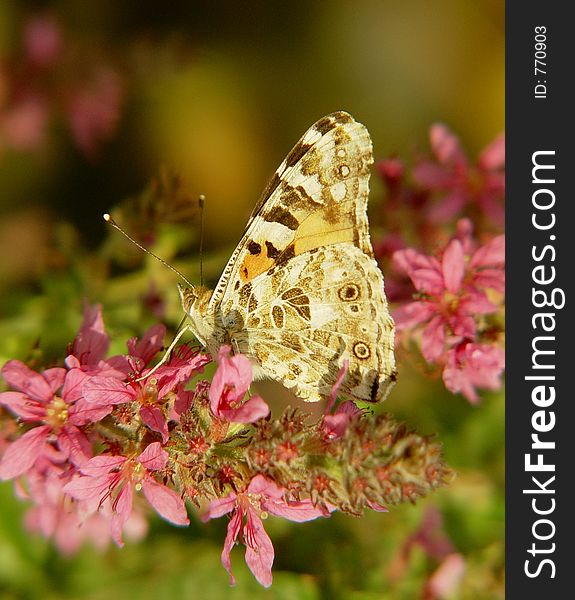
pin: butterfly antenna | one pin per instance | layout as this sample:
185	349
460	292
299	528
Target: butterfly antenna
201	201
113	223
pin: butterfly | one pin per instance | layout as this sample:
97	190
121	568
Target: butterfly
302	293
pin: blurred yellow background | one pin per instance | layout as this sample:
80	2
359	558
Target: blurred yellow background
220	91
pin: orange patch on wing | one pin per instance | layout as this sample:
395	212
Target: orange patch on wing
256	260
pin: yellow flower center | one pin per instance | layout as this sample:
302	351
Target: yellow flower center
451	302
56	413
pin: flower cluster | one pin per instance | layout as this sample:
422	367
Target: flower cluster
448	291
457	293
99	443
56	79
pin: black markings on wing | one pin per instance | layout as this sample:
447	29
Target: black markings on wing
278	214
254	248
273	252
321	132
323	126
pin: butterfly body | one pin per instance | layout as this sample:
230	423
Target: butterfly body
302	292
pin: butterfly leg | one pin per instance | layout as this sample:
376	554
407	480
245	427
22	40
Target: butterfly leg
167	353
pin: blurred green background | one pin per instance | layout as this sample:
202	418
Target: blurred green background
218	92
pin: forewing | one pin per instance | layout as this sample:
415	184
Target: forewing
317	197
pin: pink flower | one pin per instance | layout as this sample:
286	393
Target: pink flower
57	413
431	536
261	497
150	393
105	476
42	40
335	425
59	517
445	581
471	366
23	125
94	109
460	183
453	292
229	386
92	341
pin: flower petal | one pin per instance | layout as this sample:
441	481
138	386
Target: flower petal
453	266
19	376
445	145
54	377
166	502
428	281
463	326
150	344
334	426
493	155
83	412
123	509
259	550
154	418
433	339
21	405
335	388
412	314
82	487
490	278
474	304
107	391
219	507
181	367
447	207
472	365
261	485
74	444
408	260
101	465
230	381
91	343
23	452
73	385
232	533
300	511
430	175
492	254
154	457
249	412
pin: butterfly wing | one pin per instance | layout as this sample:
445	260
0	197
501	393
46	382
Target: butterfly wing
287	295
300	322
317	197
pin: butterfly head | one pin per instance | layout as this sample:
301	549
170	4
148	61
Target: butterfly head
195	302
188	296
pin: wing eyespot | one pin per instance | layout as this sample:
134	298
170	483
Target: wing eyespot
361	350
349	292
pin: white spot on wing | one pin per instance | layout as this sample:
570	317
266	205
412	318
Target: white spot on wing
311	184
321	314
281	168
311	136
271	230
338	191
